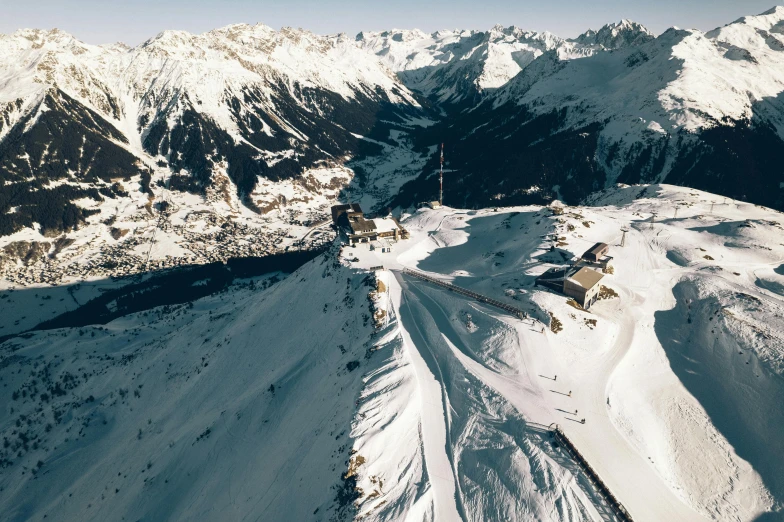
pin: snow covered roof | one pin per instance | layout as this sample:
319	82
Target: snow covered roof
586	278
385	224
360	225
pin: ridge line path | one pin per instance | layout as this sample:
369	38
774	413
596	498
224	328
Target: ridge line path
436	417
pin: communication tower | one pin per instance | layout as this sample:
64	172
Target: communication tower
441	178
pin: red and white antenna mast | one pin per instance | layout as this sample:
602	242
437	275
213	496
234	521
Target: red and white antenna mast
441	178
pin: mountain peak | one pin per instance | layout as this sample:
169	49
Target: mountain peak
168	37
616	35
775	10
766	21
42	36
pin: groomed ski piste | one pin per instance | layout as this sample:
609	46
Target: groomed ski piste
282	401
678	377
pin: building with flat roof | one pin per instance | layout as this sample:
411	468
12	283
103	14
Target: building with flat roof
596	253
583	286
579	283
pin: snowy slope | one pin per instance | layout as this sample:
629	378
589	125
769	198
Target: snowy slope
678	376
221	409
281	401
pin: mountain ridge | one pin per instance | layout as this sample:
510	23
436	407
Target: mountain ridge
265	128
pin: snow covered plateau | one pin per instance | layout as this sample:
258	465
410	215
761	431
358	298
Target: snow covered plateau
186	336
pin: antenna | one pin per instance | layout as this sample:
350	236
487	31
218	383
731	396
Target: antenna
441	178
676	212
712	203
653	219
623	237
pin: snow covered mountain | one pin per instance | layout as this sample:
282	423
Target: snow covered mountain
615	36
698	109
341	392
242	102
457	67
185	149
261	129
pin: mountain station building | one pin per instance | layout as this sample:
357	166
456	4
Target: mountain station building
579	283
358	229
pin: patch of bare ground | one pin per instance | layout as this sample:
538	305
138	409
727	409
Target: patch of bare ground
555	324
605	292
117	233
61	243
28	252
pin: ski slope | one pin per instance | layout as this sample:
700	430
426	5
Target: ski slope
650	433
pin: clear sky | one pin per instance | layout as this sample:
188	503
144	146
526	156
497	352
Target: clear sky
133	21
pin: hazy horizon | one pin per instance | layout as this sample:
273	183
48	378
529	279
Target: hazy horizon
110	22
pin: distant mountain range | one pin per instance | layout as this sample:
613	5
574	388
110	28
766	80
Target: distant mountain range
526	116
243	102
529	115
457	67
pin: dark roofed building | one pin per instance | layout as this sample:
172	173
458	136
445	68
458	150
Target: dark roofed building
358	224
596	252
338	210
359	229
